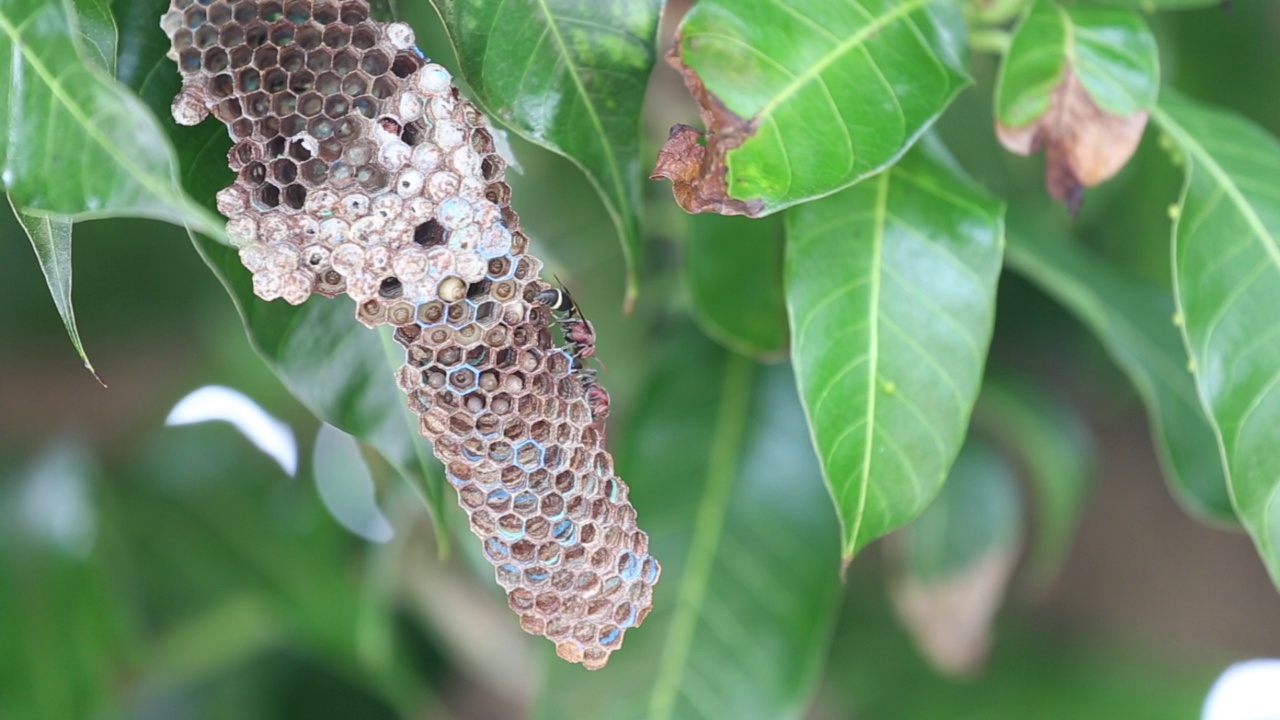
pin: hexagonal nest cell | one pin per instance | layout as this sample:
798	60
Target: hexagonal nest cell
362	171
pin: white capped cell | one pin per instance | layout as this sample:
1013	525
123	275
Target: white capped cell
348	259
470	266
442	185
334	231
410	264
266	285
242	230
454	213
466	238
400	35
409	184
433	78
395	154
231	200
254	256
447	134
296	287
426	157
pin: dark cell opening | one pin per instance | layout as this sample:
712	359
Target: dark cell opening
391	288
429	234
295	196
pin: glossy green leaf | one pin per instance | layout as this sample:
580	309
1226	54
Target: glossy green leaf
1110	50
97	26
74	142
734	270
891	294
724	479
51	239
1226	272
824	93
569	75
950	567
1054	450
1134	321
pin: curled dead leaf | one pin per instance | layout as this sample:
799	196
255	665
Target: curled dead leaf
1084	145
694	162
950	617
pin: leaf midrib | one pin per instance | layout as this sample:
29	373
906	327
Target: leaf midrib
873	361
722	467
851	43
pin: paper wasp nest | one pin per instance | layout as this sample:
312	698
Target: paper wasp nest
362	171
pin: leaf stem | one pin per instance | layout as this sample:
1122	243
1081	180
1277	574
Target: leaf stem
990	40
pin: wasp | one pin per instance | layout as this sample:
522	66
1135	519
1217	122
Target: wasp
578	330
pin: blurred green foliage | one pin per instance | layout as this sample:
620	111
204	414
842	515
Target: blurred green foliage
153	572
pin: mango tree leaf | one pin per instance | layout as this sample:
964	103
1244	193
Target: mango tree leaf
74	142
99	37
1110	51
734	270
1226	243
569	75
720	466
1054	450
950	567
891	294
51	239
1134	322
802	99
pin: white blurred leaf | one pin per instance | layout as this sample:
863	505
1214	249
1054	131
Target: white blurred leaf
214	402
346	487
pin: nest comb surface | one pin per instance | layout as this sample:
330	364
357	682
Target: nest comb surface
362	171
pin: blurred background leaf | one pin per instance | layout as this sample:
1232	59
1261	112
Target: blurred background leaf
951	565
1136	324
733	501
1051	443
733	267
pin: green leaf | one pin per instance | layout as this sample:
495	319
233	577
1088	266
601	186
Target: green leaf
51	239
569	75
733	267
1110	50
807	98
75	142
346	486
1134	322
891	294
343	372
98	33
720	466
952	564
1153	5
1056	453
1226	243
976	513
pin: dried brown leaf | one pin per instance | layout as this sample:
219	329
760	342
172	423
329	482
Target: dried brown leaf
950	618
1084	145
694	162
